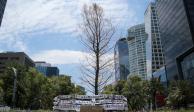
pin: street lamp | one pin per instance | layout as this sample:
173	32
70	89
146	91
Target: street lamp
14	86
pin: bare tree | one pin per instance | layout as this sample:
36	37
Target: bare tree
97	33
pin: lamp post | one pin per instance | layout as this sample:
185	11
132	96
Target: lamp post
14	86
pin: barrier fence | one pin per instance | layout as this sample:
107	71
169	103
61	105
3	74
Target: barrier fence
74	102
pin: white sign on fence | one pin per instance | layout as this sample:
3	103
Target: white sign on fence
74	102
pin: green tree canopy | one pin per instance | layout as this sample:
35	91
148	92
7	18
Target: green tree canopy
180	93
79	90
109	89
34	90
135	93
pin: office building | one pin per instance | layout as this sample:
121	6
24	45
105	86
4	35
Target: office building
2	9
52	71
41	66
42	63
121	57
161	75
137	51
154	52
176	21
46	68
18	57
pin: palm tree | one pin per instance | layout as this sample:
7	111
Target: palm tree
180	93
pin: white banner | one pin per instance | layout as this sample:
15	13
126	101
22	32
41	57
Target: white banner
74	102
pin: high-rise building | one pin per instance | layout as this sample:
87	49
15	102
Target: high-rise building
18	57
161	74
41	66
137	51
52	71
121	57
46	68
2	9
154	52
176	21
42	63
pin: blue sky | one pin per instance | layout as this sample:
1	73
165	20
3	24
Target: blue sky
47	30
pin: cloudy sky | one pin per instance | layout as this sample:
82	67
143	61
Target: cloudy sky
47	29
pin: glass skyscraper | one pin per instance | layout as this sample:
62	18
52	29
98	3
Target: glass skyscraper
52	71
154	52
176	21
42	66
121	57
137	50
2	9
46	68
161	74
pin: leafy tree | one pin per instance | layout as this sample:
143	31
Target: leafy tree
1	92
135	93
180	93
109	89
79	90
34	83
62	85
118	87
8	79
34	90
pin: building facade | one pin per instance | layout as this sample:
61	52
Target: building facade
137	51
2	9
46	68
154	51
17	57
176	21
161	74
41	66
121	57
52	71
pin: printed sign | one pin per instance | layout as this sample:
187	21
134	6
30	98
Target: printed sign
74	102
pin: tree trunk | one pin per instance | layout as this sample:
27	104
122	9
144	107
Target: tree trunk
97	74
154	101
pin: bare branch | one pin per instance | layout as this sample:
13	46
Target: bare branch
97	35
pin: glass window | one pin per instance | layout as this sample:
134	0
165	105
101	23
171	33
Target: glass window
188	67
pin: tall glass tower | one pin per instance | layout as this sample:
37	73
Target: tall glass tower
154	52
176	21
121	57
2	9
137	50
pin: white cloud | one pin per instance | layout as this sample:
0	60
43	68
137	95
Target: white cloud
56	56
54	16
60	56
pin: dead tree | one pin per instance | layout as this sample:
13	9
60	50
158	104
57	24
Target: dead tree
97	33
